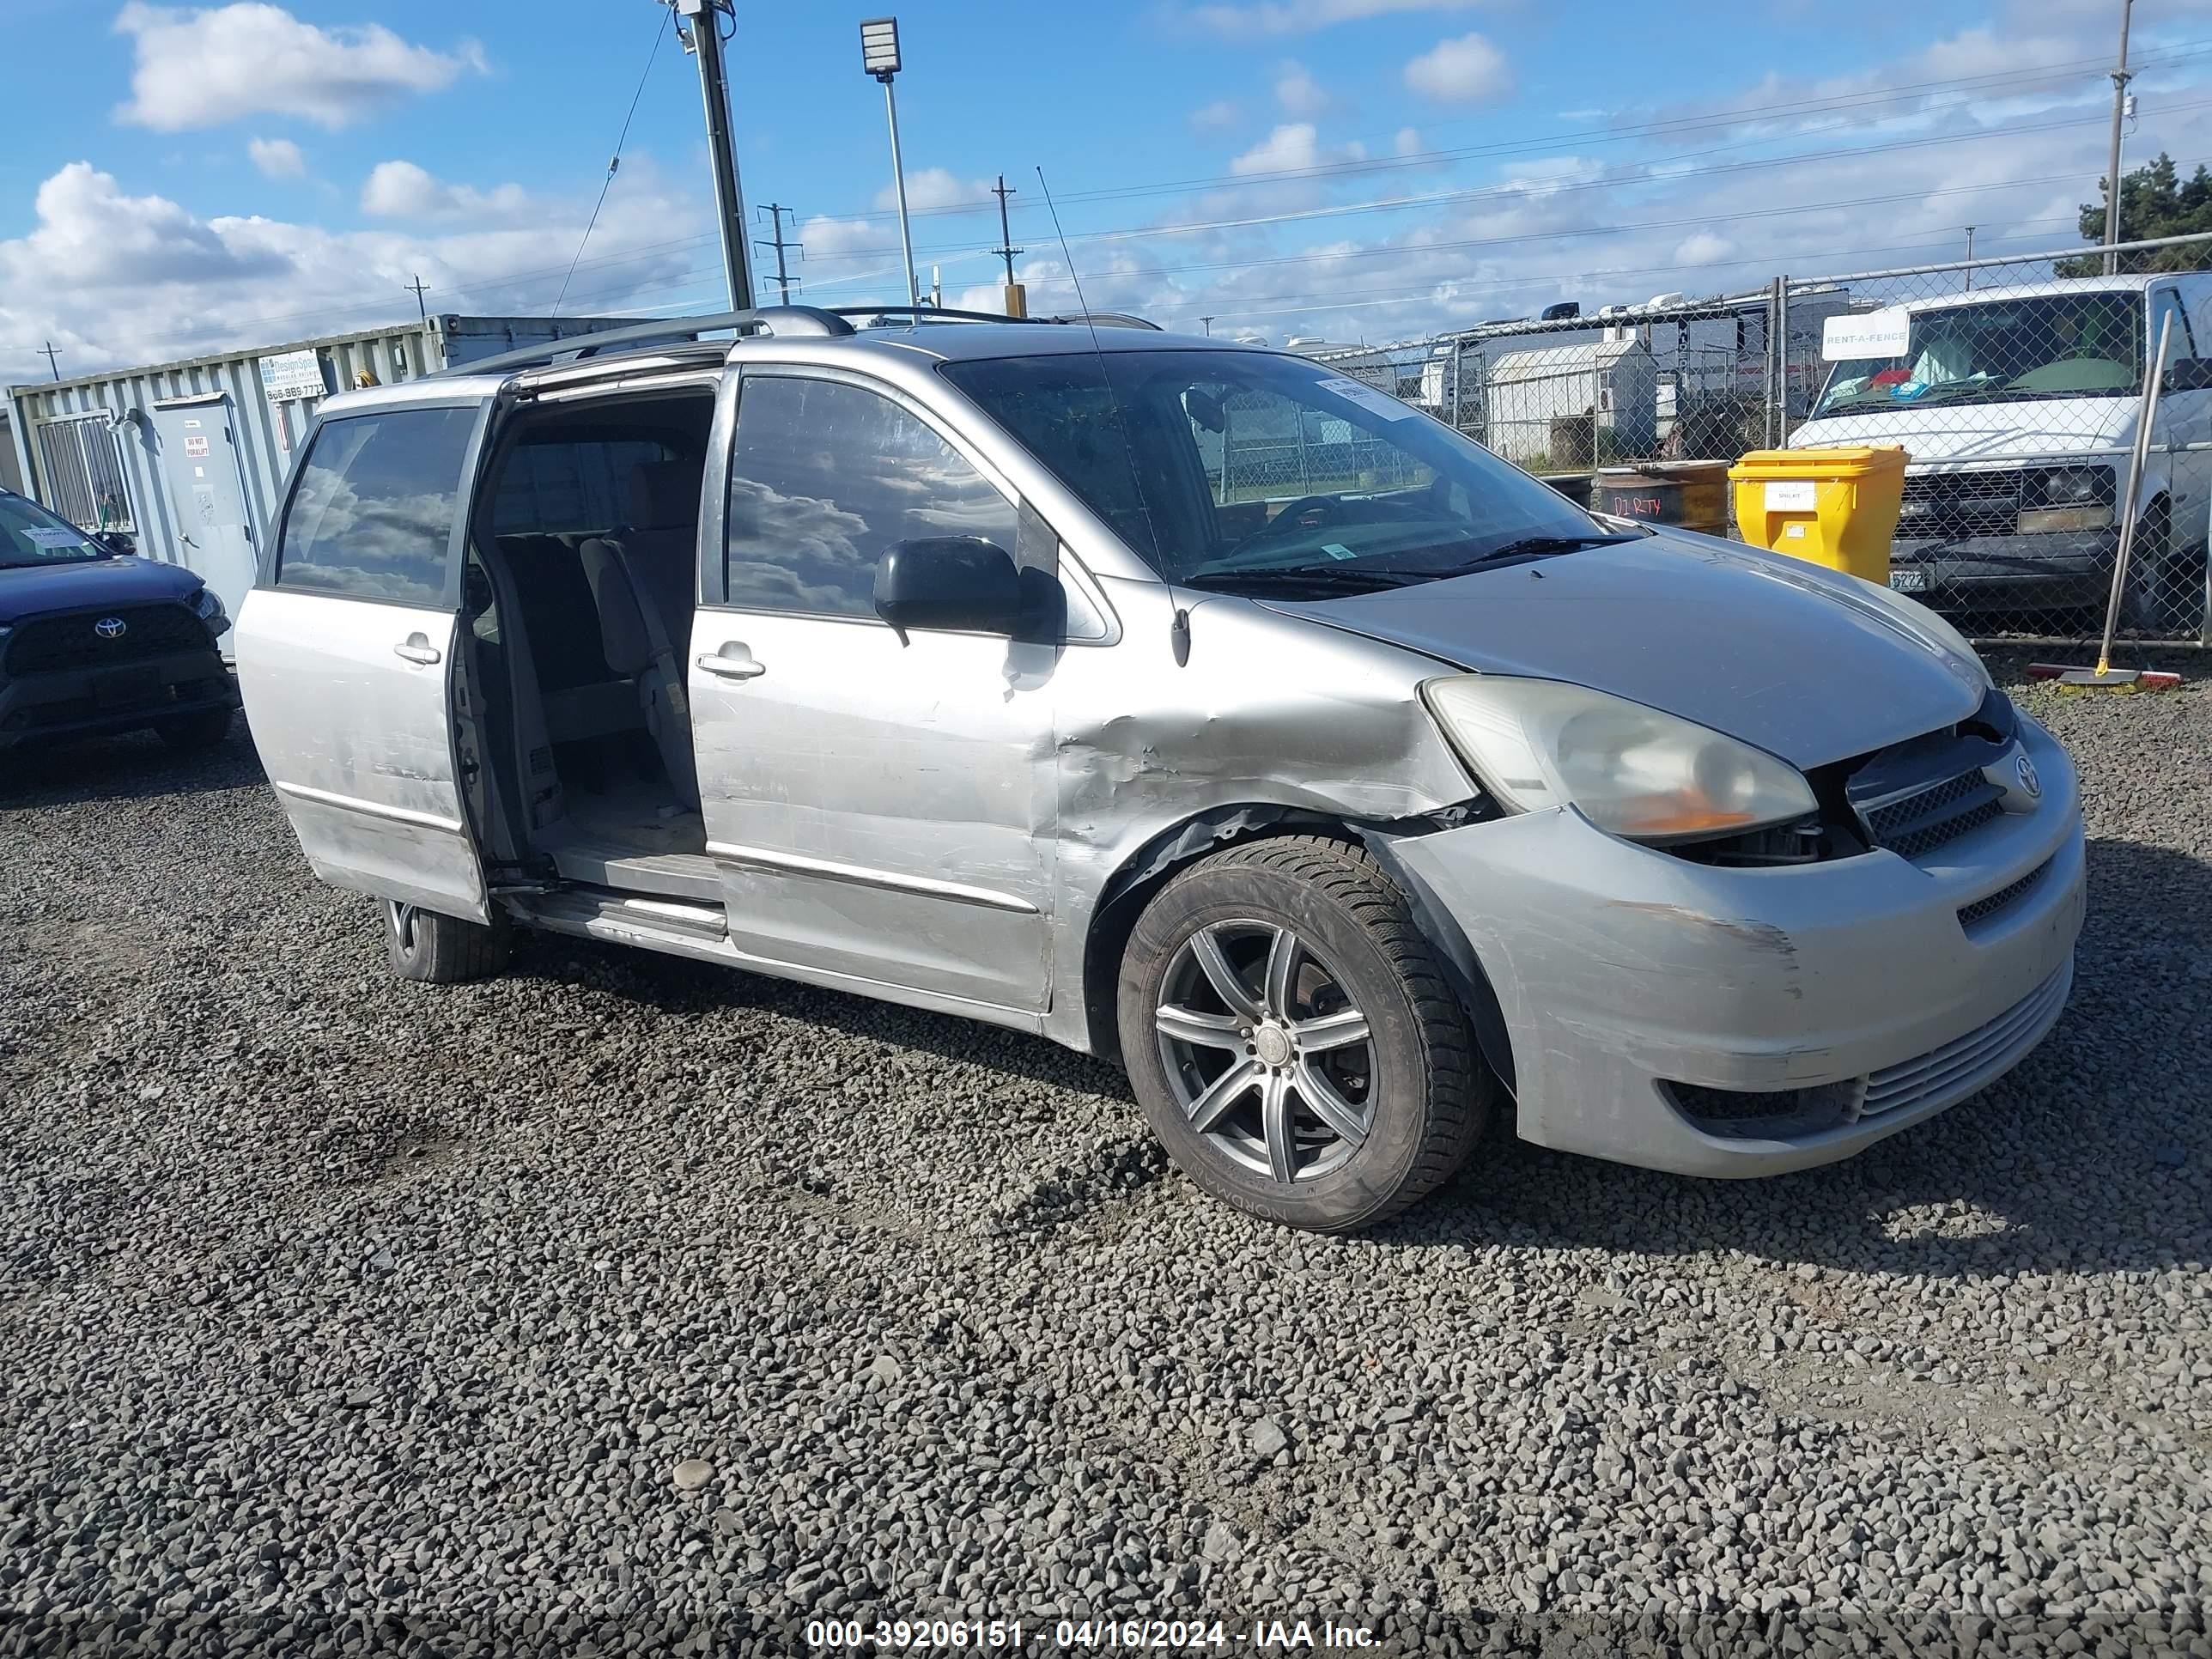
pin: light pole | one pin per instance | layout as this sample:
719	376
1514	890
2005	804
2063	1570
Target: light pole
1970	256
879	56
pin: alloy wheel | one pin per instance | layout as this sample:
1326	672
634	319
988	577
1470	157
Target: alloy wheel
1266	1051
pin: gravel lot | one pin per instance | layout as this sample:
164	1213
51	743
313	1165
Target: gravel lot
621	1298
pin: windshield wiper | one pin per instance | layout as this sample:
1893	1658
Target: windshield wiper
1343	577
1529	547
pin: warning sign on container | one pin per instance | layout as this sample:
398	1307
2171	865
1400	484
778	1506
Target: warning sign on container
196	447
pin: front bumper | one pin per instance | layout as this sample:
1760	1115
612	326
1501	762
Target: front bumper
1619	969
80	702
1978	574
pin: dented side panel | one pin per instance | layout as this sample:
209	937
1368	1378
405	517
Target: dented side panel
1266	710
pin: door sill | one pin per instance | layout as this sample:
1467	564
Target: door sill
702	932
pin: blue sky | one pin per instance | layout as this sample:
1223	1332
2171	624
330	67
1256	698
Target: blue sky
188	180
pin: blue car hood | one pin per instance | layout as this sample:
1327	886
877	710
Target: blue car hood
1805	662
39	589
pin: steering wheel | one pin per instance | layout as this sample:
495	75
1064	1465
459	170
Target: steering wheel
1286	520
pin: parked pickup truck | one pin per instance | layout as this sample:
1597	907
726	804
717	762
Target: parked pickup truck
95	642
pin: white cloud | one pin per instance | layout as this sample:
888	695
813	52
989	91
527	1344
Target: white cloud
1466	70
278	158
1299	93
1703	248
833	238
1302	16
1407	142
203	67
401	190
1292	148
116	278
936	187
1221	113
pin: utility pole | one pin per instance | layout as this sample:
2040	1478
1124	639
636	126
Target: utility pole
706	45
2120	79
418	290
1017	300
1208	321
1970	256
49	349
776	211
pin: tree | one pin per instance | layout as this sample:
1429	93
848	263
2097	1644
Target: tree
2154	201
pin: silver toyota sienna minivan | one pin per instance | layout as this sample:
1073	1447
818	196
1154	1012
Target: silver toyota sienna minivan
1175	701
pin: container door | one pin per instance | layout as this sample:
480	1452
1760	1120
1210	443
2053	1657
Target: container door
207	496
881	809
348	647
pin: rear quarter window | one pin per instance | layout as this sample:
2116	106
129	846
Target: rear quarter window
372	515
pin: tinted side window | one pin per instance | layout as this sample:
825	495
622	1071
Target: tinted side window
825	477
373	516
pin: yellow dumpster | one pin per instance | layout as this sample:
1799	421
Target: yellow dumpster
1831	507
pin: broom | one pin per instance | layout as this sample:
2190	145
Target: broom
2103	676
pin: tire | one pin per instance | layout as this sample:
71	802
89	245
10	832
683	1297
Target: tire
440	949
2143	608
1412	1087
190	733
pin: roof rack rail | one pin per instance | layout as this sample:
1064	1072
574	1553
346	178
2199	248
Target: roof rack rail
789	320
925	314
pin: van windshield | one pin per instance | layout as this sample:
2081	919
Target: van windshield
2052	345
1260	472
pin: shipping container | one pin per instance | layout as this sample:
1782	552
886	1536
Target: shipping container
188	459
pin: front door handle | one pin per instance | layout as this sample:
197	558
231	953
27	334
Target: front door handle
417	648
732	662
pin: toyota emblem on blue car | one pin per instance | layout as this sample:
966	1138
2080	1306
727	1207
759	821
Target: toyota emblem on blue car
2024	769
111	628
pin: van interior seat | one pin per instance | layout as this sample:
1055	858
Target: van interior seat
661	546
637	646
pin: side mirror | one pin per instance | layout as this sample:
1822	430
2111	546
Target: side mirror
2189	374
960	584
117	544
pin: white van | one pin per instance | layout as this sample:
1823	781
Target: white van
2018	407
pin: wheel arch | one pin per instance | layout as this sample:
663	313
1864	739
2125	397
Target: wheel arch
1201	835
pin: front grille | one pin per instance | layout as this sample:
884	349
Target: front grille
1970	1062
1948	504
1914	824
1982	909
45	644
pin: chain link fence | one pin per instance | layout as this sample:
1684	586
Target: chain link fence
2016	385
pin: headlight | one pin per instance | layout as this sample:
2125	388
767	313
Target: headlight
2060	498
1631	770
209	609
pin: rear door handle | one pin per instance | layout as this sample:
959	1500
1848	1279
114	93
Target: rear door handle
732	662
417	648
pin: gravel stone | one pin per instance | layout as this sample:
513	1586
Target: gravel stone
336	1306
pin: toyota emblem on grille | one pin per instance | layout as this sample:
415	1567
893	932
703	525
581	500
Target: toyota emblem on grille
111	628
2024	769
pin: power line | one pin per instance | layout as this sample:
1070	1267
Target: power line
515	279
614	166
1992	82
